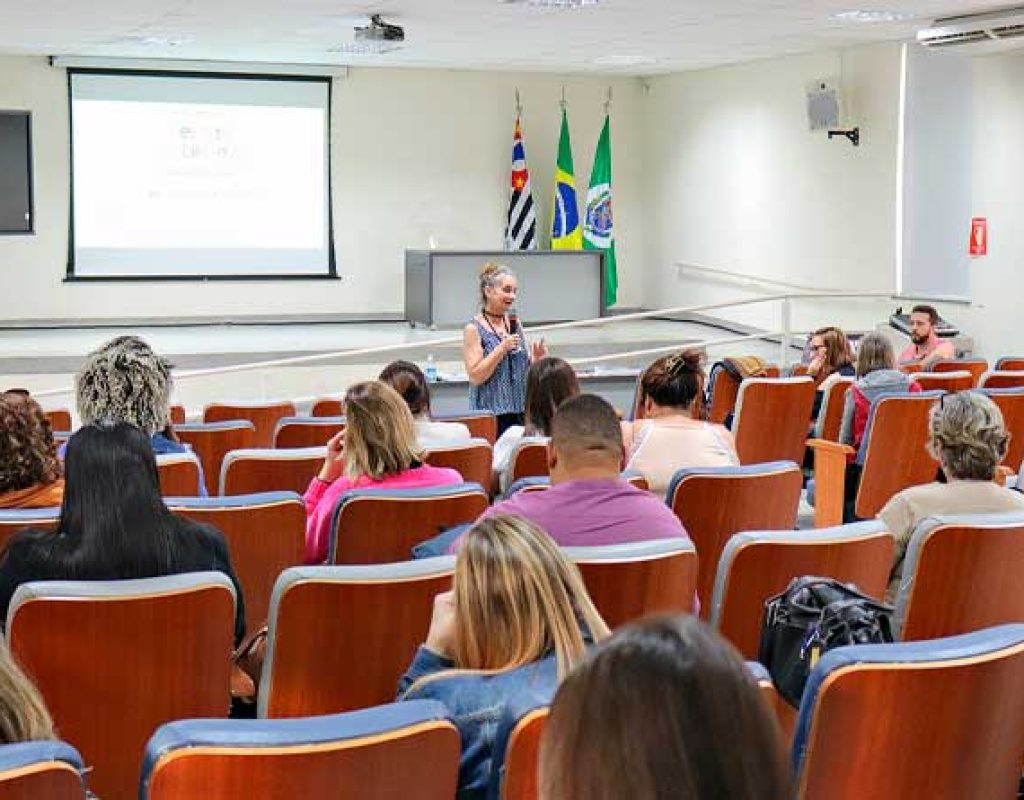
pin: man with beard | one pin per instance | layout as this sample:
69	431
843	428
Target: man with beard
926	347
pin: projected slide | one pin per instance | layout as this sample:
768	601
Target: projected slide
179	177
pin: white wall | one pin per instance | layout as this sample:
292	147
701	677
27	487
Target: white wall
736	181
415	153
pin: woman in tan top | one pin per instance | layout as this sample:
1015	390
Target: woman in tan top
968	439
670	435
30	472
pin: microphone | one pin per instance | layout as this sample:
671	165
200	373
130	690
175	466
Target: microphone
513	324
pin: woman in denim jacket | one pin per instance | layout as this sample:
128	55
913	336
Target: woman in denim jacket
516	621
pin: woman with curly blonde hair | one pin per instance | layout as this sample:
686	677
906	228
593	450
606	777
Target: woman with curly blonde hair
968	439
30	472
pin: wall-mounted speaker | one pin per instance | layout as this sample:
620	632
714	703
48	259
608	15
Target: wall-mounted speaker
822	105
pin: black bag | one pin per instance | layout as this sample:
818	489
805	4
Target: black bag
813	616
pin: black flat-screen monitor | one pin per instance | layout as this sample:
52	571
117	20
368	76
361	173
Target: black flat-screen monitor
15	172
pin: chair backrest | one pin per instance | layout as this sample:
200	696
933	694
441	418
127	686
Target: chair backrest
393	752
341	637
942	719
211	441
892	453
13	520
115	659
269	470
724	391
518	773
538	483
379	526
976	366
266	534
830	417
1010	364
179	474
948	381
306	431
528	459
909	369
60	419
263	415
471	459
40	771
960	574
628	581
1011	405
327	407
757	565
177	414
481	424
772	417
1000	379
713	503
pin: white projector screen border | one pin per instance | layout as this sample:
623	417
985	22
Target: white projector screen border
127	265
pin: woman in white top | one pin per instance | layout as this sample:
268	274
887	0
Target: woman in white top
669	435
549	381
408	380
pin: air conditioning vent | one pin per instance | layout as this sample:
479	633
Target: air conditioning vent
976	33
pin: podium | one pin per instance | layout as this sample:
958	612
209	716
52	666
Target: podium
442	287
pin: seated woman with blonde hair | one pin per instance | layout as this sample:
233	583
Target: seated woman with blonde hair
669	436
377	449
23	714
517	620
30	472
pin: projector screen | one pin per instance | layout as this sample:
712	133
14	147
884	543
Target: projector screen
185	176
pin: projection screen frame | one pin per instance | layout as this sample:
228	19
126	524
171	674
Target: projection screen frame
332	267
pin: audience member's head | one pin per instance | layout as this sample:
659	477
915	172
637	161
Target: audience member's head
409	381
23	715
586	440
380	437
498	288
125	381
517	599
549	382
673	383
28	454
112	511
832	348
967	436
665	708
923	319
874	352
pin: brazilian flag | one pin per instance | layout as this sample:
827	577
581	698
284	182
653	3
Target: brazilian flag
566	232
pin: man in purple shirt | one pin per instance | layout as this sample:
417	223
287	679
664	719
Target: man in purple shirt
588	503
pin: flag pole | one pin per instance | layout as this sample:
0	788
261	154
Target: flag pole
519	105
608	101
562	103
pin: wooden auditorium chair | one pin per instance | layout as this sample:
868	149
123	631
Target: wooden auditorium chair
892	457
830	416
115	659
961	573
1011	405
59	418
177	414
306	431
211	441
756	565
942	719
327	407
725	390
539	483
265	533
41	770
341	637
398	751
1010	364
481	424
1002	379
976	366
268	470
517	749
528	459
264	415
471	458
380	526
956	381
713	503
181	474
13	520
772	419
628	581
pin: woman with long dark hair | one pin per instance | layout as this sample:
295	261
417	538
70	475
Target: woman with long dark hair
113	523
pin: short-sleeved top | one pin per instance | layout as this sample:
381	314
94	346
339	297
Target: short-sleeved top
505	391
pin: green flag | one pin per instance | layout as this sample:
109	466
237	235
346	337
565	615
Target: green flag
565	216
597	224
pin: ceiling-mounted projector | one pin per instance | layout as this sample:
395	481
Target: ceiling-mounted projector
380	31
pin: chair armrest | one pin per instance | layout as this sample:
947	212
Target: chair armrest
1002	475
829	481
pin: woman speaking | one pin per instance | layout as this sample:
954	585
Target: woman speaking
495	351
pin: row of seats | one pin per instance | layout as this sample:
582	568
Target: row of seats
862	704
